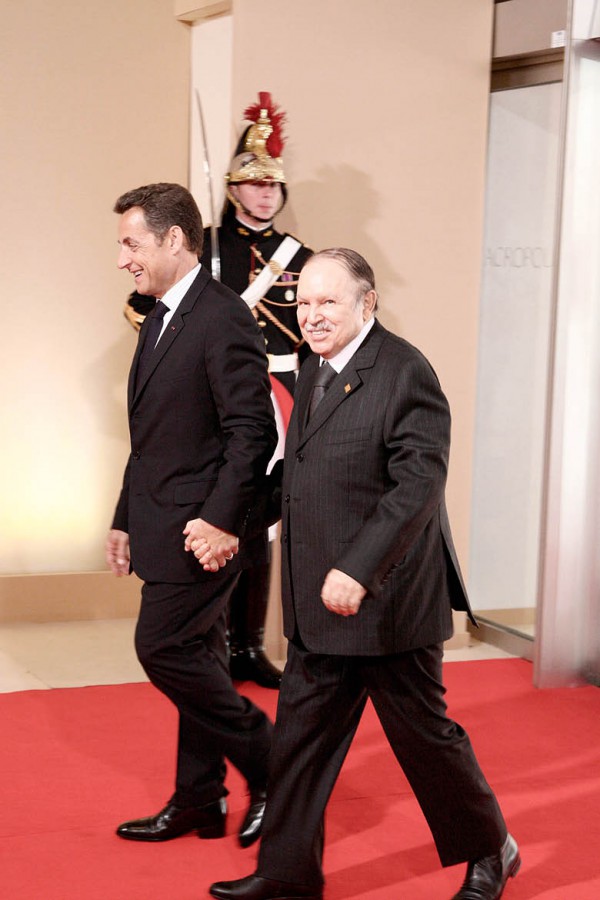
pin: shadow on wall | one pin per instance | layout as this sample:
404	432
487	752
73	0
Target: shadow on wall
335	210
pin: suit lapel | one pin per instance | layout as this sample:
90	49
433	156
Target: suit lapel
135	362
173	329
304	390
344	385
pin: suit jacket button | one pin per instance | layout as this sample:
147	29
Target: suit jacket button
287	498
136	454
300	457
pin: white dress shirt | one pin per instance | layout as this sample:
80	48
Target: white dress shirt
338	361
175	295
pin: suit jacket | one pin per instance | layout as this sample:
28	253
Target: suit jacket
202	432
363	492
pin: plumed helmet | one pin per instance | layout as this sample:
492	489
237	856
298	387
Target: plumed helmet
258	154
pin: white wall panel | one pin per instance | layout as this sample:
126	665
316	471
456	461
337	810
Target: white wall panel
515	322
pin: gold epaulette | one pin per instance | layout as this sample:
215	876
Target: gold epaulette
134	318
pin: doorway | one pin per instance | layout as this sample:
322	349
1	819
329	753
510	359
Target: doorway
514	355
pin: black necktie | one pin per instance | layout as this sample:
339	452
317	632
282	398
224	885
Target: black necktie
154	329
324	377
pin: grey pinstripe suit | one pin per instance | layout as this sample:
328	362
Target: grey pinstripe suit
363	492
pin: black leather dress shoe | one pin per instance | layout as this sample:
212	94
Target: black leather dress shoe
256	888
251	827
173	821
487	877
252	664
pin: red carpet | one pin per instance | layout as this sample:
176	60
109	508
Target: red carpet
74	763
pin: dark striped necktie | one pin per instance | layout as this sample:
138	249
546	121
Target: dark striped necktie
324	377
152	334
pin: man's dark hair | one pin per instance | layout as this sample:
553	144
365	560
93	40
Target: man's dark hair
355	264
165	205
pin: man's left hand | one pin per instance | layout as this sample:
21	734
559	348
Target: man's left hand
341	594
211	546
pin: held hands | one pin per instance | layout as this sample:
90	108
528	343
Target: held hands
117	552
341	594
211	546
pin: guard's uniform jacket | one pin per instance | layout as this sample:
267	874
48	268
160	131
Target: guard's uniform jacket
244	254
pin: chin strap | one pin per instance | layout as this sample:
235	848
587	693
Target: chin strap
241	208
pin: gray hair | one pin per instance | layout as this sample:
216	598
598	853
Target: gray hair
356	266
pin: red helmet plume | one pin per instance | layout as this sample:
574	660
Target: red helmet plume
266	108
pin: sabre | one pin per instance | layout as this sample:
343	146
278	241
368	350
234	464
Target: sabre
215	255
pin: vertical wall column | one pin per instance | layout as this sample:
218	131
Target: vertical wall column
211	84
568	646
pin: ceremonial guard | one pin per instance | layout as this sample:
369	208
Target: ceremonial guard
261	264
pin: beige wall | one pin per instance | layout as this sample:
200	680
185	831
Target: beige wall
387	106
95	101
526	26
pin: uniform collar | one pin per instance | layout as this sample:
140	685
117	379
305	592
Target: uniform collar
254	234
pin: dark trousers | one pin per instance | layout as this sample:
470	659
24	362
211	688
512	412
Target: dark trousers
320	704
180	641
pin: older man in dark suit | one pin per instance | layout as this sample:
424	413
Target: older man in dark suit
202	432
370	577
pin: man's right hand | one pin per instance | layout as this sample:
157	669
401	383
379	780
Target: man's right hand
117	552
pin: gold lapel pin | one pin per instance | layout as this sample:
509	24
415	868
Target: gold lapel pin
347	388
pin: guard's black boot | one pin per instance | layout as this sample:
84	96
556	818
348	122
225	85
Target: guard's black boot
247	614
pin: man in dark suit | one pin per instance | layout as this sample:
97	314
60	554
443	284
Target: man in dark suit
245	244
202	433
370	577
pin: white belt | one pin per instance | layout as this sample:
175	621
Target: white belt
283	362
271	272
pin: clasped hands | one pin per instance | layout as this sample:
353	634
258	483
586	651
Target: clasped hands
212	547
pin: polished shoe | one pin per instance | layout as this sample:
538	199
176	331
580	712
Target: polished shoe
251	827
173	821
487	877
253	887
252	664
